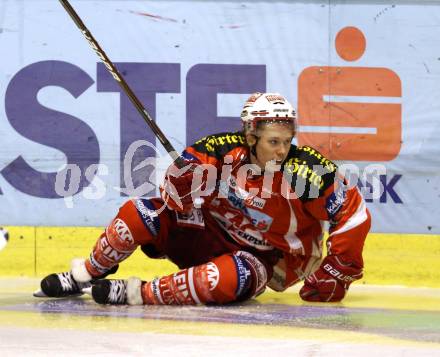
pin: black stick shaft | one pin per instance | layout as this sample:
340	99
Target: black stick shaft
118	77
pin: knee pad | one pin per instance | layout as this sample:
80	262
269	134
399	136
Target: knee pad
137	222
142	219
147	211
258	271
232	277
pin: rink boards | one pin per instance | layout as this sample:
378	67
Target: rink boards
389	259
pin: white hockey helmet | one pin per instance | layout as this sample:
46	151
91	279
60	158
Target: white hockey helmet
266	107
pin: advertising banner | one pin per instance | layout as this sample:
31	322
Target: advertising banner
363	76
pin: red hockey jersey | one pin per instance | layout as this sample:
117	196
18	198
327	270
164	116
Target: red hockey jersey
284	209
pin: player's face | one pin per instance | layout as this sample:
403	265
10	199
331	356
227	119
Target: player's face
273	145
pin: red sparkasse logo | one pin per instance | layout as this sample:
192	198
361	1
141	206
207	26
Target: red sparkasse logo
350	113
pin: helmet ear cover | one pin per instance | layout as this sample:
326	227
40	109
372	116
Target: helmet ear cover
251	139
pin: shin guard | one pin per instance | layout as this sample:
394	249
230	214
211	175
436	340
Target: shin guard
121	238
228	278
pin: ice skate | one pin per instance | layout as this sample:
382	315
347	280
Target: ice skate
117	292
60	285
113	292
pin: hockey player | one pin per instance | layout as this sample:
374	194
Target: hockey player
259	224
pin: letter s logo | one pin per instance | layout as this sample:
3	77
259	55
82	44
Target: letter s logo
47	126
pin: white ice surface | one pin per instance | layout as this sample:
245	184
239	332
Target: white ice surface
64	342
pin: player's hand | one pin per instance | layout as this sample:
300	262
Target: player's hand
177	188
331	281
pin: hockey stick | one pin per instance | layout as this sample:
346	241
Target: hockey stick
117	76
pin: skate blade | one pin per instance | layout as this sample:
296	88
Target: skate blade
87	291
39	294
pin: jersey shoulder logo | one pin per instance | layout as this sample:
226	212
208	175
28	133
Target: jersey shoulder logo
309	172
218	145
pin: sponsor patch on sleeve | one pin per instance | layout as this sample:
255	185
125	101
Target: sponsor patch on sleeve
336	200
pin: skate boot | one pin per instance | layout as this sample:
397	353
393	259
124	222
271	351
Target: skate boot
117	292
